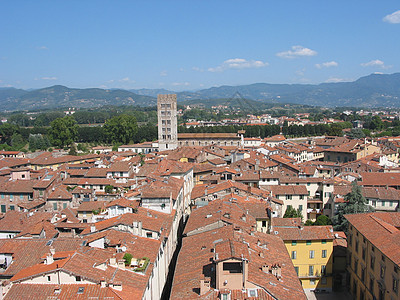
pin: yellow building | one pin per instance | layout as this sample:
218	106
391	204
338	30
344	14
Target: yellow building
311	250
374	255
350	151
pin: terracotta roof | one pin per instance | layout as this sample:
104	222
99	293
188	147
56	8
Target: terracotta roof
222	212
380	179
275	138
202	167
97	173
12	162
291	230
77	172
62	292
184	152
196	256
166	188
136	245
92	205
60	193
32	204
46	180
14	221
16	186
120	166
382	230
166	167
82	263
231	249
202	190
47	159
124	203
217	161
39	269
28	252
288	189
248	175
151	220
208	136
286	222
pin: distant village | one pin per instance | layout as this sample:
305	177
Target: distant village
204	216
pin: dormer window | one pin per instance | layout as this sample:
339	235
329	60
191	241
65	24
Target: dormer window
232	267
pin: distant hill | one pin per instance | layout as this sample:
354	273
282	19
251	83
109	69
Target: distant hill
375	90
60	96
151	92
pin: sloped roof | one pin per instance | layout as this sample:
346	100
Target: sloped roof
381	229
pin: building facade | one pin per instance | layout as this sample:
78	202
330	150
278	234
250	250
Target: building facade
167	122
373	255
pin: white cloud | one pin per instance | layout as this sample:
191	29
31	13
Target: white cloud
197	69
336	79
47	78
42	48
125	79
327	64
180	83
238	63
163	73
375	63
301	72
297	51
393	18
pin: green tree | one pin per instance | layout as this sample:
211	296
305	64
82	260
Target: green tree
309	223
108	189
322	220
292	213
7	131
17	141
376	123
82	147
72	150
335	130
355	203
38	141
128	259
356	133
90	134
63	131
121	129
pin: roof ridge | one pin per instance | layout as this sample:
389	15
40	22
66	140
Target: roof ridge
389	227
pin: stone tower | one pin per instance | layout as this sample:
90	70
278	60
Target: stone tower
167	122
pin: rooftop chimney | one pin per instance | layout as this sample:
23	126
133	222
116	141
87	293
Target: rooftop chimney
103	283
49	259
204	286
113	261
121	264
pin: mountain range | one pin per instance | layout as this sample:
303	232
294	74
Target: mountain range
375	90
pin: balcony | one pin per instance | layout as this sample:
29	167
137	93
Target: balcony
314	275
315	210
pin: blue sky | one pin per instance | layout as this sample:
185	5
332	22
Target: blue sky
190	45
